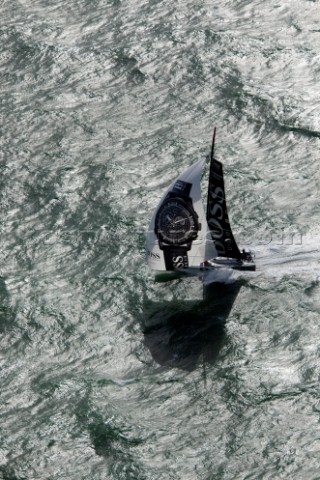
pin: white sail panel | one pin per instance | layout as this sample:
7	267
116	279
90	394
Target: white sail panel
178	234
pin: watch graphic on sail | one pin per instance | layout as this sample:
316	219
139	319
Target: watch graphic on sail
178	236
176	225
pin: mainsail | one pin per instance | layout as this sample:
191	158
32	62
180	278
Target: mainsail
217	214
178	234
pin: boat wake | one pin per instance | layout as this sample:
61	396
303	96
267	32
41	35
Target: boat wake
293	260
275	262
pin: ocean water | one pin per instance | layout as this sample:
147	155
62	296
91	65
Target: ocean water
105	372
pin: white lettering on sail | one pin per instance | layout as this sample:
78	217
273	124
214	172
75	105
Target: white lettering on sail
218	193
216	218
220	247
178	262
216	228
217	211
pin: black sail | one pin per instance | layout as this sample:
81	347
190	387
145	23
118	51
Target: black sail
217	214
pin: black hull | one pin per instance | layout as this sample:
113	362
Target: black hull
233	263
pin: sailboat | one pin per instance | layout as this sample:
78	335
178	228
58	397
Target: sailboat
183	238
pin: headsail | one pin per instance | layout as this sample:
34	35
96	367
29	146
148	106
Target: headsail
217	214
178	232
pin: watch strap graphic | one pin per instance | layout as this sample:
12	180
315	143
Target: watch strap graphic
182	187
175	257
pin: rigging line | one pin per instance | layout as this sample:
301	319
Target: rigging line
213	142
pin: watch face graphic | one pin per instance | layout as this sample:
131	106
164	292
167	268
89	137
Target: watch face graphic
176	222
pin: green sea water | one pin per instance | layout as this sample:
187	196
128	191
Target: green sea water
105	372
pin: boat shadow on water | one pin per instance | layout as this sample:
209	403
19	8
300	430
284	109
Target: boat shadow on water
180	335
